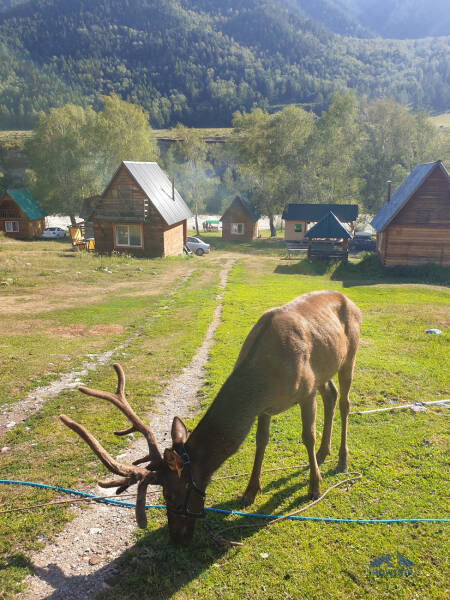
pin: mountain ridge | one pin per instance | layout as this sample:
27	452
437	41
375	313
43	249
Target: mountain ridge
198	61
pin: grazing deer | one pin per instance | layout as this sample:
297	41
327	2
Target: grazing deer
290	353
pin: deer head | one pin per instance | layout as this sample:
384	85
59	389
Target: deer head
173	470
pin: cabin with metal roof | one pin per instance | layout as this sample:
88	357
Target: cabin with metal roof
240	221
299	218
413	226
20	215
141	213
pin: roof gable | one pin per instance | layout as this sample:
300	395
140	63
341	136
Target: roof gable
328	227
158	188
404	192
315	212
24	199
254	215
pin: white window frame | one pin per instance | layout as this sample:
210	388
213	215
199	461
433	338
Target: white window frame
128	245
235	228
9	226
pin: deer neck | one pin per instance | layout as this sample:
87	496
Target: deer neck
224	426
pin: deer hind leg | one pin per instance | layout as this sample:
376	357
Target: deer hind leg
308	408
262	438
329	395
345	376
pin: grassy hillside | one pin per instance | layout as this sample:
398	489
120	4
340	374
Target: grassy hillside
442	120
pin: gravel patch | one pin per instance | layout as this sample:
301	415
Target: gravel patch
76	564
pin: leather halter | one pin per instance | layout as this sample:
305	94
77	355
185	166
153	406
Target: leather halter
191	486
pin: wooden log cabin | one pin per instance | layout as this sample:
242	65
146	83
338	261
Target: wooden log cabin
141	213
20	215
413	226
240	221
298	218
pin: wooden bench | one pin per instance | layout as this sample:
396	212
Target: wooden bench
327	251
295	247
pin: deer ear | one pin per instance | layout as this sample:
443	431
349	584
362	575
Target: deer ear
179	431
173	461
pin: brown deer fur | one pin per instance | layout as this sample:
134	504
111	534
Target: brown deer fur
291	353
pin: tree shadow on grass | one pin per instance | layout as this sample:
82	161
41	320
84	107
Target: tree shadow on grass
306	266
367	271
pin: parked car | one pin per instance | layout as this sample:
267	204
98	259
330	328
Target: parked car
197	246
362	241
53	233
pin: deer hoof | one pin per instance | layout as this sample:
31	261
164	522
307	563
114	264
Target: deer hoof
247	498
314	495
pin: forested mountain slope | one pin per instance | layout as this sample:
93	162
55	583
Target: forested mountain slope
198	61
398	19
404	18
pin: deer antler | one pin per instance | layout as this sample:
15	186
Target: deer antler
130	474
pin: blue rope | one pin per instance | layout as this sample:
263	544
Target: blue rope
222	510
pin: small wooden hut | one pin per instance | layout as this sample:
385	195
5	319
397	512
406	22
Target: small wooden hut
328	239
240	221
140	212
20	215
299	218
413	226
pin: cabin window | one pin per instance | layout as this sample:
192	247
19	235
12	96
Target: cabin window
237	228
298	227
11	226
129	235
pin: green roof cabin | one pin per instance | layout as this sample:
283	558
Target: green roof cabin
299	218
20	215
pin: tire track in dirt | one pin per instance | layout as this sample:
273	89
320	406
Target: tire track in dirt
75	565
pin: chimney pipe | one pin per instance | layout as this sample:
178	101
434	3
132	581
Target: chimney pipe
389	191
173	189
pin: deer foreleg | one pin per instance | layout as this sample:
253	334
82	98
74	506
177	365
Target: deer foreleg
329	397
308	408
262	438
345	376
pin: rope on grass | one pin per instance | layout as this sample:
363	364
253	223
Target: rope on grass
437	403
291	516
223	542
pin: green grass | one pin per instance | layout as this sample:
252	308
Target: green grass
401	457
43	450
14	138
60	305
442	120
207	132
